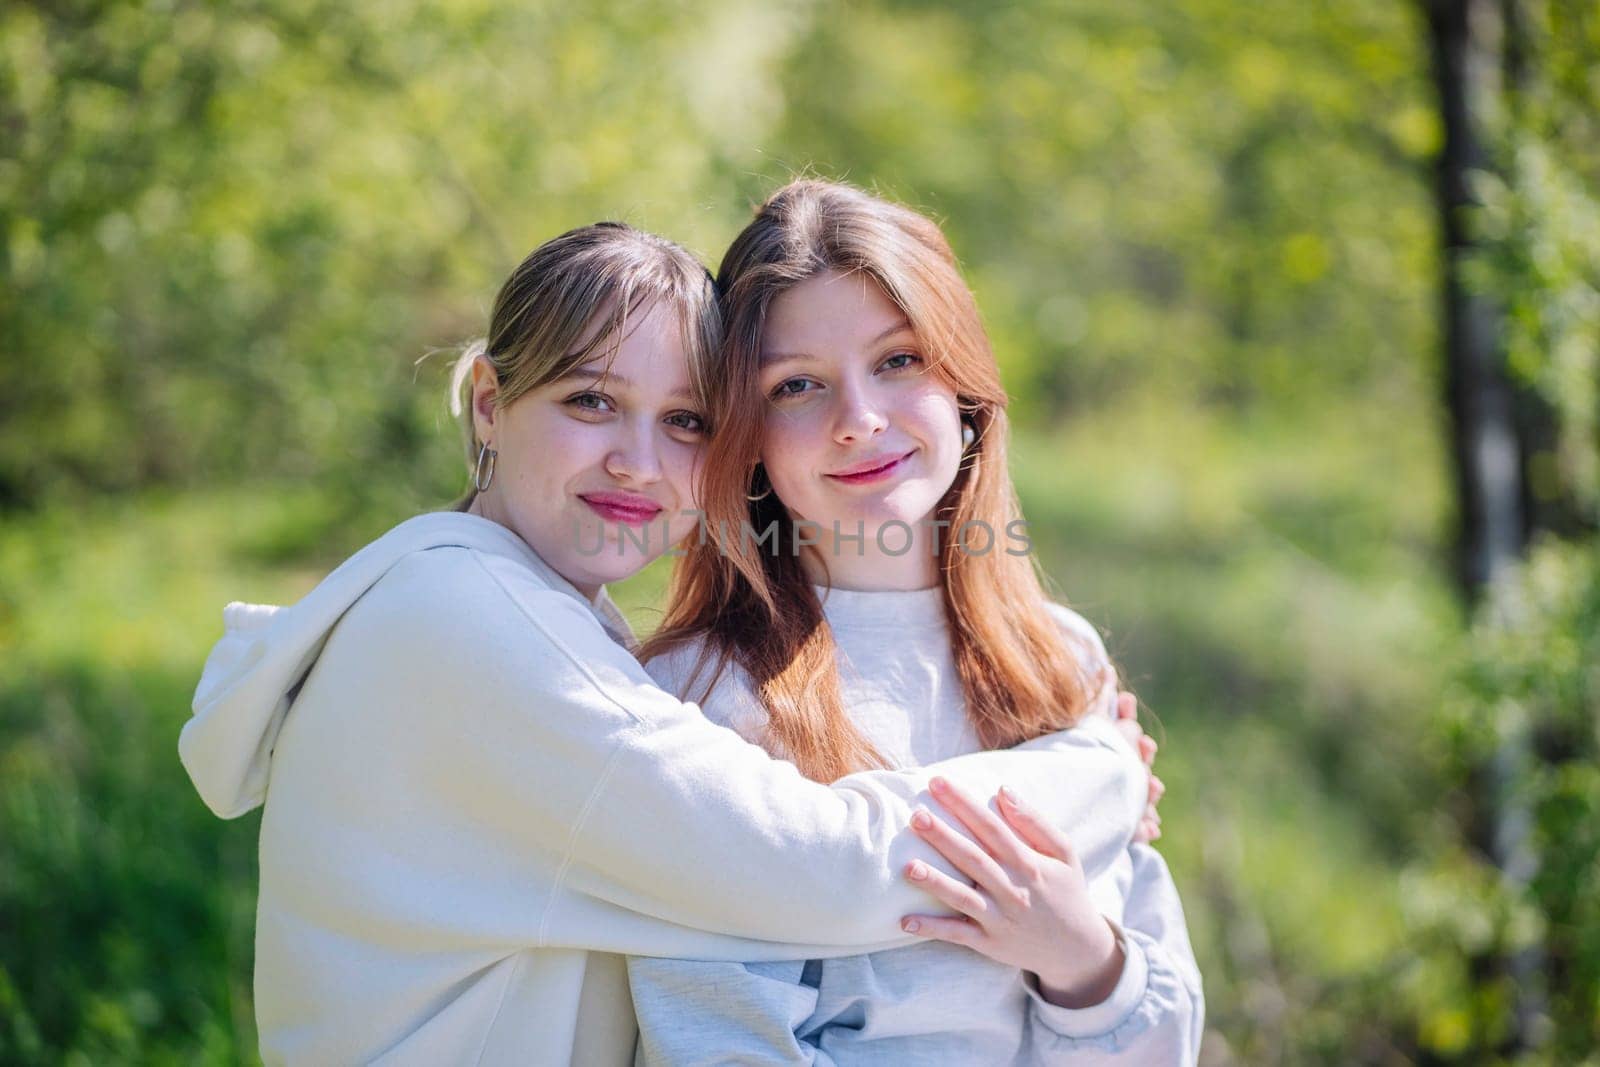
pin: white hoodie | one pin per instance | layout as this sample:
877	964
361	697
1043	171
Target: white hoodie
475	796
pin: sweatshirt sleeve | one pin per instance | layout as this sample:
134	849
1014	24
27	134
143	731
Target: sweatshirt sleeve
665	834
1156	1014
1099	674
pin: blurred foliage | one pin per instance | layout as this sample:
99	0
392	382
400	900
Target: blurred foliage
1540	233
1505	908
1152	196
1203	239
228	232
1529	675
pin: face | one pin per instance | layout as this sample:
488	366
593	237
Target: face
596	470
857	428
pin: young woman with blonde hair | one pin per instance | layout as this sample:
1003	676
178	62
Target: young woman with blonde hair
474	797
866	601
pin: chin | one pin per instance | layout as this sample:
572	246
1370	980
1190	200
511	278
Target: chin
893	509
614	568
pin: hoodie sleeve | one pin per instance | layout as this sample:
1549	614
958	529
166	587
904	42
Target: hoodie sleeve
660	813
458	755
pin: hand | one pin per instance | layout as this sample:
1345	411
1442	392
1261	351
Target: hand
1128	723
1028	906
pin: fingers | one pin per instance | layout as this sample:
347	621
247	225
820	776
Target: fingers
1149	828
967	857
957	896
1128	723
1127	706
1033	828
1158	789
993	834
956	931
1131	732
1138	740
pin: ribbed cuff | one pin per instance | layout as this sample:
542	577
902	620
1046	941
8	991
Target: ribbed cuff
1104	1017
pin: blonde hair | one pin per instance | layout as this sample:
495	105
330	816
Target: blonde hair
1021	674
568	303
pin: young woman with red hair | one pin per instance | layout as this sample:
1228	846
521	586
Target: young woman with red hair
863	597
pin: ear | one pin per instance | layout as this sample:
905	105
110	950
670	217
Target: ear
485	391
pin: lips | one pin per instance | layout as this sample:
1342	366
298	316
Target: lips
629	509
871	470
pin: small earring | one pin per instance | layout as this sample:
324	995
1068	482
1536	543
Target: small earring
483	476
759	496
969	434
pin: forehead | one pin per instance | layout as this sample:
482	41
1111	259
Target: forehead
648	357
826	313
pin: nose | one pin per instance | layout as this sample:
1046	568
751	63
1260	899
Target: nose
859	416
635	457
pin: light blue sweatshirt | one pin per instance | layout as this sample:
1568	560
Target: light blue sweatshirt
930	1003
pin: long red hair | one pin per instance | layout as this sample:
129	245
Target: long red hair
751	603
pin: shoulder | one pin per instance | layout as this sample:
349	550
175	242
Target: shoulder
1080	630
445	562
728	698
491	618
683	669
441	588
1094	662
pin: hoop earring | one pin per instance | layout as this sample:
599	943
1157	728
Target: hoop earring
760	496
482	478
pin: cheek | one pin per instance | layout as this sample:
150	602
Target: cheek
937	418
555	457
559	450
789	443
682	463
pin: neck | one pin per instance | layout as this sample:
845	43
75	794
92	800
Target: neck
846	563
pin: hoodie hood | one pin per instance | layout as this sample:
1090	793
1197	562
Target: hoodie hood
253	673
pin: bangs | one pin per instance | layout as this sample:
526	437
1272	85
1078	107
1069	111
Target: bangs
693	309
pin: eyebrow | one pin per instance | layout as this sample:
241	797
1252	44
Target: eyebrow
768	358
584	370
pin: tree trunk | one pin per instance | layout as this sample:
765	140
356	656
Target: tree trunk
1484	445
1489	452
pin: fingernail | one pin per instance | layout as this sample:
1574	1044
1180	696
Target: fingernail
918	871
938	785
921	819
910	926
1007	795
